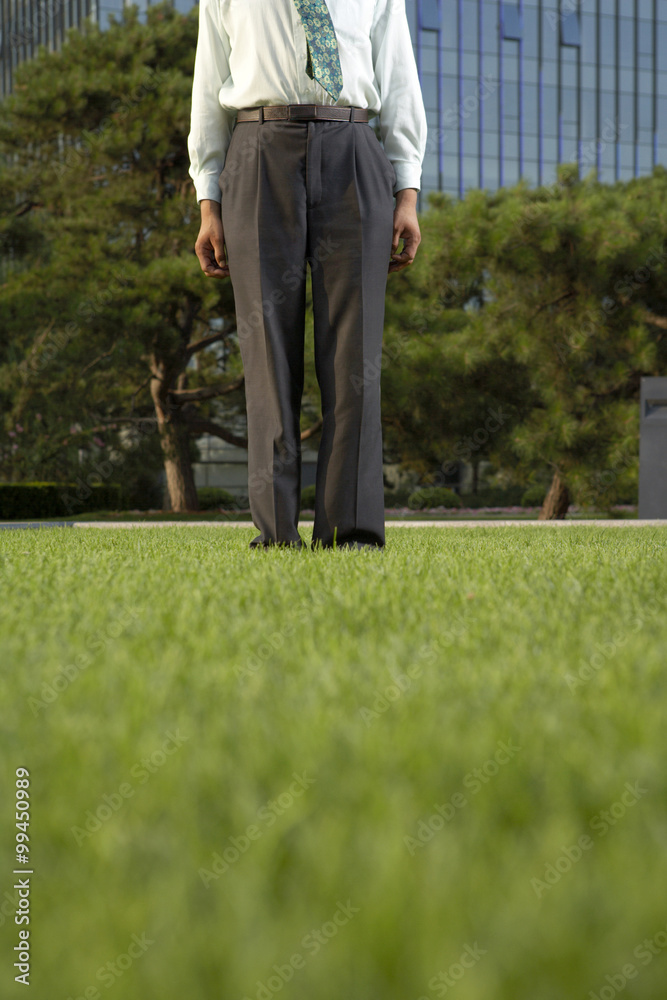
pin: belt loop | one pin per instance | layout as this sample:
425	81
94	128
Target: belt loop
351	114
261	116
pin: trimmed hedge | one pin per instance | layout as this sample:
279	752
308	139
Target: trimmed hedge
534	496
23	500
214	498
308	498
433	496
398	497
510	496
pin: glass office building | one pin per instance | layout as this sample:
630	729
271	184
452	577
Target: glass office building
27	24
511	89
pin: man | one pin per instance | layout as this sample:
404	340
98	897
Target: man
288	174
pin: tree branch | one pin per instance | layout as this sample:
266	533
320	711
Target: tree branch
545	305
310	431
198	425
27	207
137	391
206	392
653	318
199	345
92	364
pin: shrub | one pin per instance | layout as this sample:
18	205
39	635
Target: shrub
509	496
142	491
398	497
433	496
534	496
24	500
212	498
308	498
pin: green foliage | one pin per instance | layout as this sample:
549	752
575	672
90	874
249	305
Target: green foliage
142	491
433	496
523	330
533	496
308	498
520	335
398	497
142	488
99	214
508	496
213	498
42	500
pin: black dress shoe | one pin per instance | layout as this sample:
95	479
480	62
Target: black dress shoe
257	543
361	545
351	544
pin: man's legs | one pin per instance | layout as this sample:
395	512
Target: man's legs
319	190
350	205
264	222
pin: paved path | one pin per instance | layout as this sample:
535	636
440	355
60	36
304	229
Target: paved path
601	523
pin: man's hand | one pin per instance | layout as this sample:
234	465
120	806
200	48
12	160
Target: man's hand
210	245
406	228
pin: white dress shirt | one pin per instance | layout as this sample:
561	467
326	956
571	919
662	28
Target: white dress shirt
254	52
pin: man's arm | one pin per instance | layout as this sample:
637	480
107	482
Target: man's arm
210	125
210	133
402	120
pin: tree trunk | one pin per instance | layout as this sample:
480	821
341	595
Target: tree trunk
556	501
174	439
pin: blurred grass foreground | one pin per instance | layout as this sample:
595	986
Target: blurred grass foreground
436	770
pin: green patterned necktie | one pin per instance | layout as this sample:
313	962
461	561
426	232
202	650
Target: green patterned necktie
323	62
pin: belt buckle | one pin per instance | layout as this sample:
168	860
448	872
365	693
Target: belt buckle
298	111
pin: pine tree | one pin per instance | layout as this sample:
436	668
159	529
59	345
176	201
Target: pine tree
552	300
109	319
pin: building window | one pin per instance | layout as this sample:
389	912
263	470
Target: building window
429	15
569	29
511	21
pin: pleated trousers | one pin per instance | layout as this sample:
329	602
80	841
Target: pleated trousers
316	197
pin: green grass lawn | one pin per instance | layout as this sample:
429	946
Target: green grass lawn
436	770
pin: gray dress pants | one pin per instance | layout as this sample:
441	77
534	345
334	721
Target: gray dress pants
319	195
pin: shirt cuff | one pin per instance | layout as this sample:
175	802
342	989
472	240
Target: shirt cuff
408	175
206	186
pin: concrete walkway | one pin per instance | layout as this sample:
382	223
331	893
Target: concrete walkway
570	523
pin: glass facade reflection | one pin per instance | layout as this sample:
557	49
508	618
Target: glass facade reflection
24	26
27	24
513	89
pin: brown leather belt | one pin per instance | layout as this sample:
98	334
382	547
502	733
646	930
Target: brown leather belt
302	112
